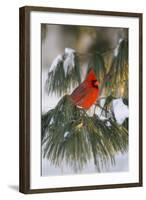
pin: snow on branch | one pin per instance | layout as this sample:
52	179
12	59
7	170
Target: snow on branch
117	111
55	63
120	110
67	59
69	62
116	50
64	73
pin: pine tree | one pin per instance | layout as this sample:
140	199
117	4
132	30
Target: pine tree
71	134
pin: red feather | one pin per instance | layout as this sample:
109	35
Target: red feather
86	94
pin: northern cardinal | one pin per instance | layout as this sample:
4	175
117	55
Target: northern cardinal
87	92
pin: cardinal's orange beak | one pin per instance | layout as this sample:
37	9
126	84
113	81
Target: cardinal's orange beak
96	83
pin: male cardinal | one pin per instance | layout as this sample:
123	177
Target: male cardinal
85	95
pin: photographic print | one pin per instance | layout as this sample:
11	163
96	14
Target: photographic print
80	99
84	99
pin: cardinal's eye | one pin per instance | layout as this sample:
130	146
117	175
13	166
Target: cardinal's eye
96	86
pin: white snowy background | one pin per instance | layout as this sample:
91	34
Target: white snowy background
55	43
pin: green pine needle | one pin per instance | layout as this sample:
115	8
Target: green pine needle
88	137
59	83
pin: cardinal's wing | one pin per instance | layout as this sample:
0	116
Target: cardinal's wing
88	99
80	92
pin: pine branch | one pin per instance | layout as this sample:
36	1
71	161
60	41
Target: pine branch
69	135
60	81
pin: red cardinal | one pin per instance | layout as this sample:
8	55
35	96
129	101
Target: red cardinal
87	92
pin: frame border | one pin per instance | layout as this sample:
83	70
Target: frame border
24	99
